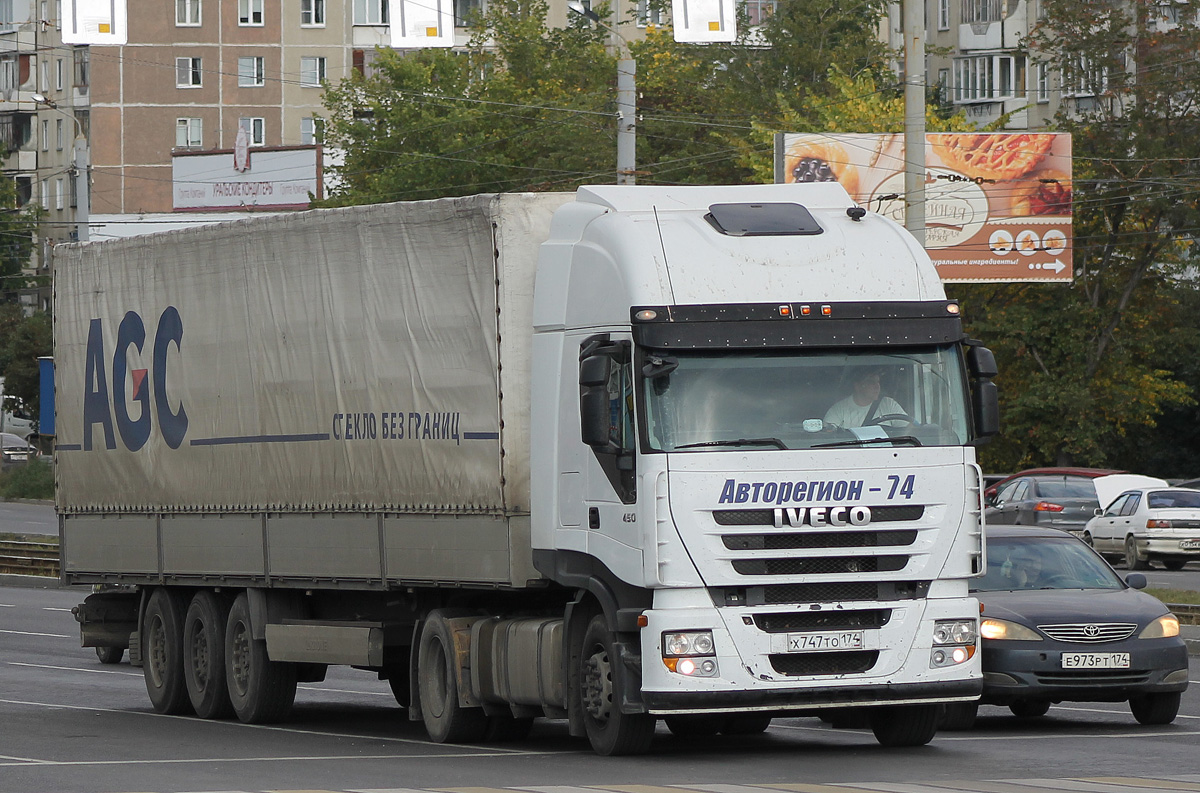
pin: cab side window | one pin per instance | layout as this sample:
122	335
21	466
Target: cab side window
620	406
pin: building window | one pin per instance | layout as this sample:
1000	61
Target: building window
311	131
58	134
250	12
83	66
251	71
757	11
7	23
464	9
188	72
45	196
187	13
943	15
312	71
1084	79
648	14
1043	82
370	12
981	11
189	133
58	193
45	135
989	77
256	130
312	13
44	72
59	74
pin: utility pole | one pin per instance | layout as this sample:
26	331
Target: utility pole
914	118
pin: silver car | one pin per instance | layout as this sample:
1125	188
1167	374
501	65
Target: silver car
14	451
1149	524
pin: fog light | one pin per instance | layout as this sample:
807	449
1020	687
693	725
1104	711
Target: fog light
687	666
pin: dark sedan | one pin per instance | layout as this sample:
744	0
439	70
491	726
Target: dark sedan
1060	498
1058	625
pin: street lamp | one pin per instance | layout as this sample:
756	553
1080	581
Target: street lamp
82	164
626	98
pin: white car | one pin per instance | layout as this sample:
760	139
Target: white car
1149	522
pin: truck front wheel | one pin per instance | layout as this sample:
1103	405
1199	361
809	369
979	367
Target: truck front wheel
446	721
905	725
610	731
204	656
163	667
260	690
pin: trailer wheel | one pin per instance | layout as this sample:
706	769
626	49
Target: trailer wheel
905	725
260	690
110	655
446	721
204	656
163	652
610	731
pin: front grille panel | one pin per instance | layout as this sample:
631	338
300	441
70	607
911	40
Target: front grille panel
822	620
1093	677
838	539
821	593
1089	632
798	664
766	517
820	565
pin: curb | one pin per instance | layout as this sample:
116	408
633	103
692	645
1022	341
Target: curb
32	582
41	502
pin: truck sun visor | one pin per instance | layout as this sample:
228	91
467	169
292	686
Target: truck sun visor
762	220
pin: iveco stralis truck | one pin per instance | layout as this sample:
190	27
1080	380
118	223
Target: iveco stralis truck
600	457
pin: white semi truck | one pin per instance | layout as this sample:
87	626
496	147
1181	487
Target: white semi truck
564	456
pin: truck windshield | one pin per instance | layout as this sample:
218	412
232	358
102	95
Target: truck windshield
810	399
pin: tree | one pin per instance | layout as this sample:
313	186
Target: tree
17	227
1087	364
23	339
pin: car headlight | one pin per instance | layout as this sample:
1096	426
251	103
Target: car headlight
1164	627
1003	629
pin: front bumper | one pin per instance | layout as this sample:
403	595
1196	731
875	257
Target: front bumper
668	702
1033	670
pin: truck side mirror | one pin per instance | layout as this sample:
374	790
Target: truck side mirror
981	362
594	418
985	402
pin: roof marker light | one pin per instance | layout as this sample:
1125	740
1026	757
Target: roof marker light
827	311
952	308
785	311
646	314
805	310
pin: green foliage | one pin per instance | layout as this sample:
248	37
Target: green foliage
22	341
1087	369
35	479
17	227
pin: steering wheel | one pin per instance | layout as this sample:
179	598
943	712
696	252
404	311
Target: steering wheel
1054	580
877	420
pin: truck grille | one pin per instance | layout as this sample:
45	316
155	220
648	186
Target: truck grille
821	593
839	539
1089	632
766	517
796	664
822	620
820	565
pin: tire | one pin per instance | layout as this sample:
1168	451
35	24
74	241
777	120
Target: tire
1029	708
437	685
609	731
162	652
1087	539
746	724
1153	709
959	716
261	691
695	725
204	656
400	690
110	655
1174	564
905	725
505	728
1132	562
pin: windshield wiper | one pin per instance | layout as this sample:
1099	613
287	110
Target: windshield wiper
778	444
909	439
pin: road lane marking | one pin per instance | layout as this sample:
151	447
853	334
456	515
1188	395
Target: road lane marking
1076	736
22	760
7	606
1141	782
483	750
52	608
77	669
347	691
281	759
28	633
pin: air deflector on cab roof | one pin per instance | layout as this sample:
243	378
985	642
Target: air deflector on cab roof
762	220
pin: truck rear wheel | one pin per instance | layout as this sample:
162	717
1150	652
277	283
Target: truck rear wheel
204	656
905	725
162	624
610	731
261	690
446	721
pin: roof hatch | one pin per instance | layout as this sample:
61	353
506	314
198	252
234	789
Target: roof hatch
762	220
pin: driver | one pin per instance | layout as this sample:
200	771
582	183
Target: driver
866	404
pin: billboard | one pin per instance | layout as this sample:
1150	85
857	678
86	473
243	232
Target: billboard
997	204
95	22
246	178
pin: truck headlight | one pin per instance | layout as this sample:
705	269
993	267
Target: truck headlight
690	653
954	642
1164	627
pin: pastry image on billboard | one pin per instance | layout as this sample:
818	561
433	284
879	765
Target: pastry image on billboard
1044	192
999	156
815	158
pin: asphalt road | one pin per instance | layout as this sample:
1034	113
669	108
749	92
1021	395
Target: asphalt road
26	518
68	724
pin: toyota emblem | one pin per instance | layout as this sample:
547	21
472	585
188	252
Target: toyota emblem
1091	630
